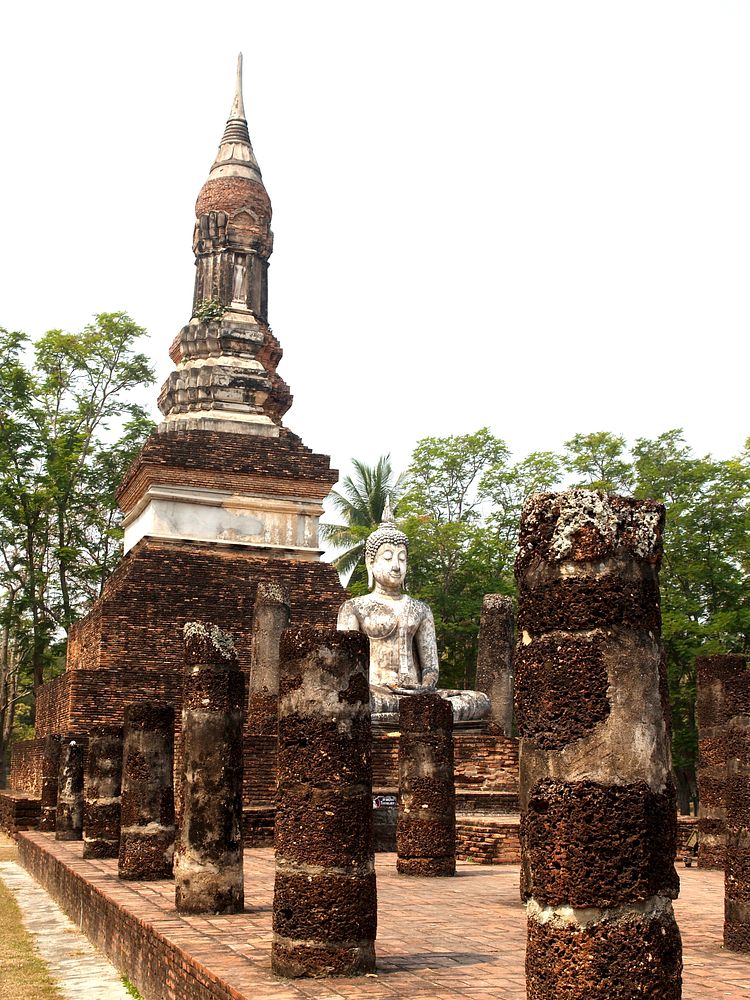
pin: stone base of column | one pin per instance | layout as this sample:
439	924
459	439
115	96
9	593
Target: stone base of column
309	910
426	866
145	856
737	924
198	891
595	954
101	830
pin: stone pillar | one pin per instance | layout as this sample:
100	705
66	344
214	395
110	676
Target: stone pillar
50	774
69	815
495	660
426	823
208	860
737	873
101	800
325	904
713	675
598	807
147	832
270	618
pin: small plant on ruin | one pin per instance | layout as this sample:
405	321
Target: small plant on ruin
209	309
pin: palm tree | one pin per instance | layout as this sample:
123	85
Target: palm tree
359	502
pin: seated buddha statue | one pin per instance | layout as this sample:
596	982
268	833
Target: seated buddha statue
401	630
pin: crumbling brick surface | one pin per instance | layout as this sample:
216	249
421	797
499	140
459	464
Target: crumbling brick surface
597	845
102	789
325	908
639	956
561	688
426	820
147	818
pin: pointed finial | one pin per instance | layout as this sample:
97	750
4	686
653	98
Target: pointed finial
387	517
238	106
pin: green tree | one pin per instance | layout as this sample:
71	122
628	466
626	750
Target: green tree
705	579
359	502
599	461
452	560
68	430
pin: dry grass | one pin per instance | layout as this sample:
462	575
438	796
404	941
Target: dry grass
22	972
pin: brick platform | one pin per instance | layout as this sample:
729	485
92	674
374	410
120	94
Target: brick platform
465	941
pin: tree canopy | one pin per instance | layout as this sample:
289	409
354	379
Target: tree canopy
461	505
69	428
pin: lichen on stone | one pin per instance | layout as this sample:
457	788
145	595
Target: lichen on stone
211	635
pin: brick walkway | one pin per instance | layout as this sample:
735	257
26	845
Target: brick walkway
441	938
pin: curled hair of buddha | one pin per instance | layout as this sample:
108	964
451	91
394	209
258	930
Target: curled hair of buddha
386	534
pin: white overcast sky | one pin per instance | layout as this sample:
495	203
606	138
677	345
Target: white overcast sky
533	216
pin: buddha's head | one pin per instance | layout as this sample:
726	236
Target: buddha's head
386	553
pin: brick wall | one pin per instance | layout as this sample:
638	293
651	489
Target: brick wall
26	766
487	841
18	811
482	763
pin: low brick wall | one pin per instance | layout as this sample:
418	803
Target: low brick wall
157	967
18	811
488	841
482	763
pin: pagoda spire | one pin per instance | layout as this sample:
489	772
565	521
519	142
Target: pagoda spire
236	128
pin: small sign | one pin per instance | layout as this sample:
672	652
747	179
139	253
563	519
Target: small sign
384	801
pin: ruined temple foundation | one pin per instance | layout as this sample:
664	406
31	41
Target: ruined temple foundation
102	789
271	617
208	860
715	676
495	660
598	812
325	904
49	777
426	821
69	812
147	831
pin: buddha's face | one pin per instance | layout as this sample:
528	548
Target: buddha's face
388	568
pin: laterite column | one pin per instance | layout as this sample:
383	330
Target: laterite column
69	814
270	618
208	860
325	904
714	675
426	822
495	660
598	807
101	800
737	872
50	776
147	830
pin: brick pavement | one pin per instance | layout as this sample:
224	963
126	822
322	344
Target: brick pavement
437	938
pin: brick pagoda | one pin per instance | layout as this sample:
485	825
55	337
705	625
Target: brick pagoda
221	497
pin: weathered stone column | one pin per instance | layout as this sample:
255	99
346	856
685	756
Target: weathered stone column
737	872
495	660
325	904
50	776
101	800
208	860
713	675
426	823
69	815
598	810
147	831
270	618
